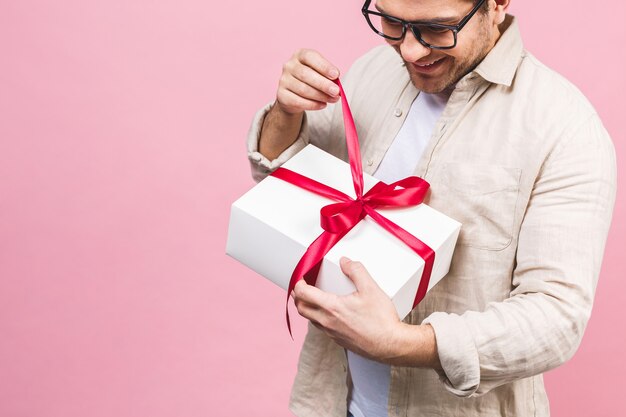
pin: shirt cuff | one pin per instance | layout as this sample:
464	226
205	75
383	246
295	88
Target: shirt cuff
260	166
457	353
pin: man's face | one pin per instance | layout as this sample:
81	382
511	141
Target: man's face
474	41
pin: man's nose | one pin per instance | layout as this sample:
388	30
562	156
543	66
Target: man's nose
411	49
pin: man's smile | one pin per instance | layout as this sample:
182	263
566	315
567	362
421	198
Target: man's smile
428	66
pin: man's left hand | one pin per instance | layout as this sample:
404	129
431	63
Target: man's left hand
364	322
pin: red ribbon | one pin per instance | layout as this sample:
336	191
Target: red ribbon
338	219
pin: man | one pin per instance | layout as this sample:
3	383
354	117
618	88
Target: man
512	151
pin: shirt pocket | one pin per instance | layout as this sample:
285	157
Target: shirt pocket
483	198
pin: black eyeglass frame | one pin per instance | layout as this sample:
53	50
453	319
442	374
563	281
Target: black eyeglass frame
454	28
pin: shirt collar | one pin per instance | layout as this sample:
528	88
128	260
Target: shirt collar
500	64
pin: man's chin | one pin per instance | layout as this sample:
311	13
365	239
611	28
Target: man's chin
430	86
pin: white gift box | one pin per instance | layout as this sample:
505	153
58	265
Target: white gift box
273	224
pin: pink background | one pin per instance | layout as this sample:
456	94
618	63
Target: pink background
122	126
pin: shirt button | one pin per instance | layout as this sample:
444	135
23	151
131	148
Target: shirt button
370	162
397	112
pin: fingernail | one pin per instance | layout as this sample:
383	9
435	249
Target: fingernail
334	90
333	73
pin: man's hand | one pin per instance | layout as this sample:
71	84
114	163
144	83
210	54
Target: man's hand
366	321
305	84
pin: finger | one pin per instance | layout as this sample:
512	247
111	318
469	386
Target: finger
298	288
305	90
320	64
292	101
303	304
310	312
357	273
313	295
319	82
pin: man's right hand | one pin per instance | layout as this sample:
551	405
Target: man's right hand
306	83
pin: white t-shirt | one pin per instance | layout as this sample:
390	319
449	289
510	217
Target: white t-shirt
371	379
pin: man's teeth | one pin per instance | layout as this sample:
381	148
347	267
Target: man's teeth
429	64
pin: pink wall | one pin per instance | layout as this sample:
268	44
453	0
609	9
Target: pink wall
121	147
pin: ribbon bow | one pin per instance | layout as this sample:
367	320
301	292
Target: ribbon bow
338	219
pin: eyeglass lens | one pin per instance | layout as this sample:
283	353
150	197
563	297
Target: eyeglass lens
432	35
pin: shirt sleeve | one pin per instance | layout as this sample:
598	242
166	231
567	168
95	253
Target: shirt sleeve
559	255
260	166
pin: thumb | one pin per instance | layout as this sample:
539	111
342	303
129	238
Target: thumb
357	273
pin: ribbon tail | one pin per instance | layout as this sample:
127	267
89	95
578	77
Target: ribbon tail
352	142
311	276
419	247
309	265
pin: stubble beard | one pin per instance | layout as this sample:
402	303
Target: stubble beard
457	69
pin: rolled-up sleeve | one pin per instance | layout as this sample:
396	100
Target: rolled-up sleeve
558	260
260	166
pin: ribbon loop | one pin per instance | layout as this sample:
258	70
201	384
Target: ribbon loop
412	192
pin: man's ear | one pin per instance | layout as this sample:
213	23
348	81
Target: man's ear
499	10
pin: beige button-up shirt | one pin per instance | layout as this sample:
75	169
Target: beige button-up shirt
522	160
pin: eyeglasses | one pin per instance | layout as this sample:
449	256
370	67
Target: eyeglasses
430	34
